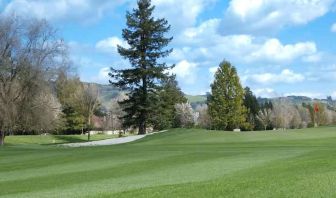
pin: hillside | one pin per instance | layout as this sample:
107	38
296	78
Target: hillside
108	92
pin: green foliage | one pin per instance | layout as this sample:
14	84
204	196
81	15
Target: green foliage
178	163
319	118
74	122
145	36
267	105
68	90
252	105
164	114
226	101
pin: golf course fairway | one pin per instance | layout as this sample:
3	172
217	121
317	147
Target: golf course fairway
178	163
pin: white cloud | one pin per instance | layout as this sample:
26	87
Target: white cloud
186	70
274	50
314	58
181	14
265	93
333	95
100	77
81	10
110	45
206	43
213	70
333	28
286	76
267	16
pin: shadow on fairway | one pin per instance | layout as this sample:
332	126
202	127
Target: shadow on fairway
62	139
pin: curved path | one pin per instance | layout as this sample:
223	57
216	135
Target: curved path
113	141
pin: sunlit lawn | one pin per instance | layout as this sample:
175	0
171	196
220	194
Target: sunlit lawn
177	163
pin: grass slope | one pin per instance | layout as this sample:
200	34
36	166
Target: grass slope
178	163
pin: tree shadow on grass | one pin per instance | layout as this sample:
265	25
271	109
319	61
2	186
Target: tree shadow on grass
63	139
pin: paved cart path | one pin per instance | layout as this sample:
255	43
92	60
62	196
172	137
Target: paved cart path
113	141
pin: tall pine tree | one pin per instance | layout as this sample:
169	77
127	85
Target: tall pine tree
226	101
145	36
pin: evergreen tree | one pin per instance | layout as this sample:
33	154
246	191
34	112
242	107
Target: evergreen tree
226	105
170	95
145	36
252	105
74	122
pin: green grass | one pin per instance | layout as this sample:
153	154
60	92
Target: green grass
178	163
54	139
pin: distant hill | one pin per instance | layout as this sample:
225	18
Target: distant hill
297	100
108	92
196	99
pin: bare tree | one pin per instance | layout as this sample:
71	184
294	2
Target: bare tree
203	118
88	101
113	119
30	52
265	116
184	115
282	113
296	121
305	116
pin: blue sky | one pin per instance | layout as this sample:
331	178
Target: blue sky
279	47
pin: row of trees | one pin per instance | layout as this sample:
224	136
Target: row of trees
30	53
154	98
229	107
38	92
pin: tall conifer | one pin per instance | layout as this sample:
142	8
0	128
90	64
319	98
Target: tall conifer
145	36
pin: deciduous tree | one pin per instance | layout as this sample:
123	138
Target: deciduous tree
226	102
30	53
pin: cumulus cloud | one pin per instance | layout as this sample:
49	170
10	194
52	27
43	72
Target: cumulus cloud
274	50
333	28
81	10
265	93
333	95
101	77
314	58
110	45
181	14
207	43
213	70
267	16
185	70
286	76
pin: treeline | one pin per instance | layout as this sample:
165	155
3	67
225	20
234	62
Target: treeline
39	92
230	107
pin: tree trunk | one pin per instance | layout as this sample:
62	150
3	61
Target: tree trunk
142	126
2	138
89	128
143	114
